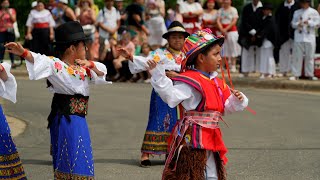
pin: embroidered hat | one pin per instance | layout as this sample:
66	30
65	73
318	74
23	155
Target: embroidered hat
198	42
69	32
175	27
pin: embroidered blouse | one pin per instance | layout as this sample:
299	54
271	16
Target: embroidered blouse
43	16
169	61
64	79
226	16
8	88
178	92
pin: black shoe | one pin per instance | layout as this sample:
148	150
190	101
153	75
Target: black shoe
145	163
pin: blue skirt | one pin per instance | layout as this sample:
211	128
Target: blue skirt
71	148
10	164
162	119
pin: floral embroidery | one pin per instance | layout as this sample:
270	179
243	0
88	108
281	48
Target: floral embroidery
78	105
70	71
169	56
58	66
156	58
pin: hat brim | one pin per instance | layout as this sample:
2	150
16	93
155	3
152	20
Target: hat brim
191	58
167	34
73	40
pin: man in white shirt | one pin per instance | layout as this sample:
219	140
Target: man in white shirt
109	23
305	22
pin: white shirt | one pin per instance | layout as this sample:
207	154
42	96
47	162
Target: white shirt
286	4
43	16
8	88
109	18
174	94
256	7
63	78
226	16
161	55
307	32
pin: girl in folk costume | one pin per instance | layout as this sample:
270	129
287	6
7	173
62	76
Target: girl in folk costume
191	12
268	34
68	77
227	20
10	164
161	117
197	150
209	17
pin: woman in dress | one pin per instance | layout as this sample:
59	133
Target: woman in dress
68	77
7	18
227	23
40	25
10	164
209	17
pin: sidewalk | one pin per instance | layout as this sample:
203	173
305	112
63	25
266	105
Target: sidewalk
251	81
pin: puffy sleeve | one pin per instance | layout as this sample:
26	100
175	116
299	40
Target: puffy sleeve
295	20
8	88
173	94
29	20
99	79
233	104
139	63
41	68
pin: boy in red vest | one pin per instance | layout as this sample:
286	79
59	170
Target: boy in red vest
197	150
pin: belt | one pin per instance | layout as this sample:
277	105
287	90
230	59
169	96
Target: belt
65	105
41	25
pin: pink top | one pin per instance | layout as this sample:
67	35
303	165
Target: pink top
5	20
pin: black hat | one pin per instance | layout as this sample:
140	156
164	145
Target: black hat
69	32
175	27
267	5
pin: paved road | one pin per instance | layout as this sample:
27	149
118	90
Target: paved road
280	142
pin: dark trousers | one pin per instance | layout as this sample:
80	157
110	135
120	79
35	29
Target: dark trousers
41	41
6	37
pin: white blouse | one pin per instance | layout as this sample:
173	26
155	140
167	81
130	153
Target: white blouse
226	16
8	88
64	79
162	56
174	94
43	16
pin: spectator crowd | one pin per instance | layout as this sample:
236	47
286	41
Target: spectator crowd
273	41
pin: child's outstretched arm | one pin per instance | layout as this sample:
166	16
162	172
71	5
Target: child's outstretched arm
172	94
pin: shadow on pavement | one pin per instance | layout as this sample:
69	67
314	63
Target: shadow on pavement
36	162
131	162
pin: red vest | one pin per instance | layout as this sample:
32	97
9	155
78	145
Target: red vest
214	94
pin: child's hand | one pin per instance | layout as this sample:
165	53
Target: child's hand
151	65
237	94
171	74
125	53
81	62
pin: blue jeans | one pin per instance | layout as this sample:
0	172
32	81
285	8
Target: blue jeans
6	37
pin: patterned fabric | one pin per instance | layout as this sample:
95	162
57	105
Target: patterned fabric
10	164
71	148
162	119
196	121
